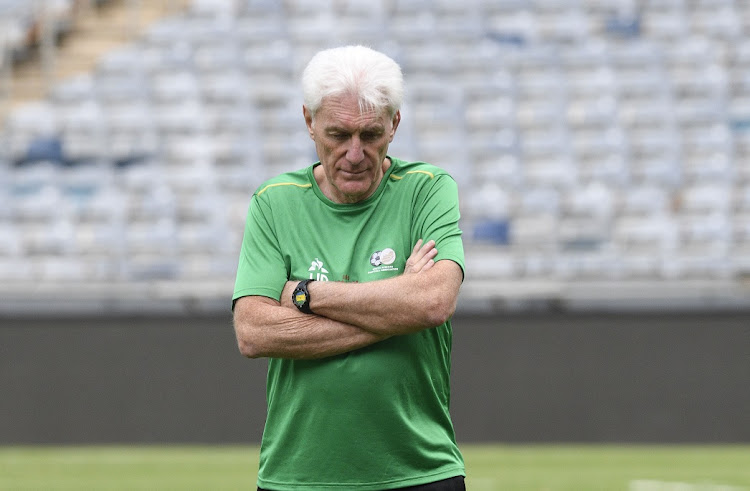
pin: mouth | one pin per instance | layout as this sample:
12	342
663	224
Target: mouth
354	174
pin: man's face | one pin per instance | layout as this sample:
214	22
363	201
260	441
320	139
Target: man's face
351	146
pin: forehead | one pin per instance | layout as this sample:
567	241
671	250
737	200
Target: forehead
344	111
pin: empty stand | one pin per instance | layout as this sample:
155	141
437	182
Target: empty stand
590	139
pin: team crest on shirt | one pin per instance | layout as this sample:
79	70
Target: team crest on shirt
383	260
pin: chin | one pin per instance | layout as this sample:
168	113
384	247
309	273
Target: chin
355	194
355	187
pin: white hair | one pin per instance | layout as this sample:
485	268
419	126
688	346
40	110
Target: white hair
373	77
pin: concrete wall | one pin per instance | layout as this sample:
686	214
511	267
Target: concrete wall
517	378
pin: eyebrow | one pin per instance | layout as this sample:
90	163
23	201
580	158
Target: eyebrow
376	128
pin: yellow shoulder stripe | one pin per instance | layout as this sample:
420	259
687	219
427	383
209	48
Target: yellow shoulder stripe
308	185
398	178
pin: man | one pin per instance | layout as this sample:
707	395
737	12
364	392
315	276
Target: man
347	279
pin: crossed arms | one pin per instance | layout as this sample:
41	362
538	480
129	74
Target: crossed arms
350	316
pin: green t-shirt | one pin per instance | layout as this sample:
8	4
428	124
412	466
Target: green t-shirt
377	417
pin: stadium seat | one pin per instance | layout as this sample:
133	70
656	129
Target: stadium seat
741	198
493	262
72	91
655	233
131	87
503	19
214	8
539	265
716	19
30	121
659	168
35	201
16	271
497	166
555	170
565	23
100	228
10	243
488	201
533	233
121	62
588	264
582	233
53	238
706	198
260	7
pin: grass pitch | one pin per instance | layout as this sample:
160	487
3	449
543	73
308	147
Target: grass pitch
489	468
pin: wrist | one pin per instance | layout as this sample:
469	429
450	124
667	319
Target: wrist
301	297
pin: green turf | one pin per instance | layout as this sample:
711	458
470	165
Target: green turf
608	467
490	467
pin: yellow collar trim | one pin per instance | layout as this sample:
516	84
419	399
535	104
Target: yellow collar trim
283	184
398	178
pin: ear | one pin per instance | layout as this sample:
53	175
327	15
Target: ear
308	121
396	121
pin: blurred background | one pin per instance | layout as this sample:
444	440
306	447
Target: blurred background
602	148
602	152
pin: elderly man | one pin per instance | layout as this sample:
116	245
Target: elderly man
347	280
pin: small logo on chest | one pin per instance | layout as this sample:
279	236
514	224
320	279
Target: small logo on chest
383	261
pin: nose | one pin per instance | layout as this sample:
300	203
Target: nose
355	154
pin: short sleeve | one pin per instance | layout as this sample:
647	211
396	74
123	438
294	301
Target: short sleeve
437	216
261	269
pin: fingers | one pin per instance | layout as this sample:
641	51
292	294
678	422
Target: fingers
429	263
422	257
416	247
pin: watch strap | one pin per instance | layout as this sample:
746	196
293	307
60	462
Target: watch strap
301	297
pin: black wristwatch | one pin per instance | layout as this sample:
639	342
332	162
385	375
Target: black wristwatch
301	297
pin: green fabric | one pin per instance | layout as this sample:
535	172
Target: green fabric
374	418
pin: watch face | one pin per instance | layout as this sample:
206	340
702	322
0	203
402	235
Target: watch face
300	297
